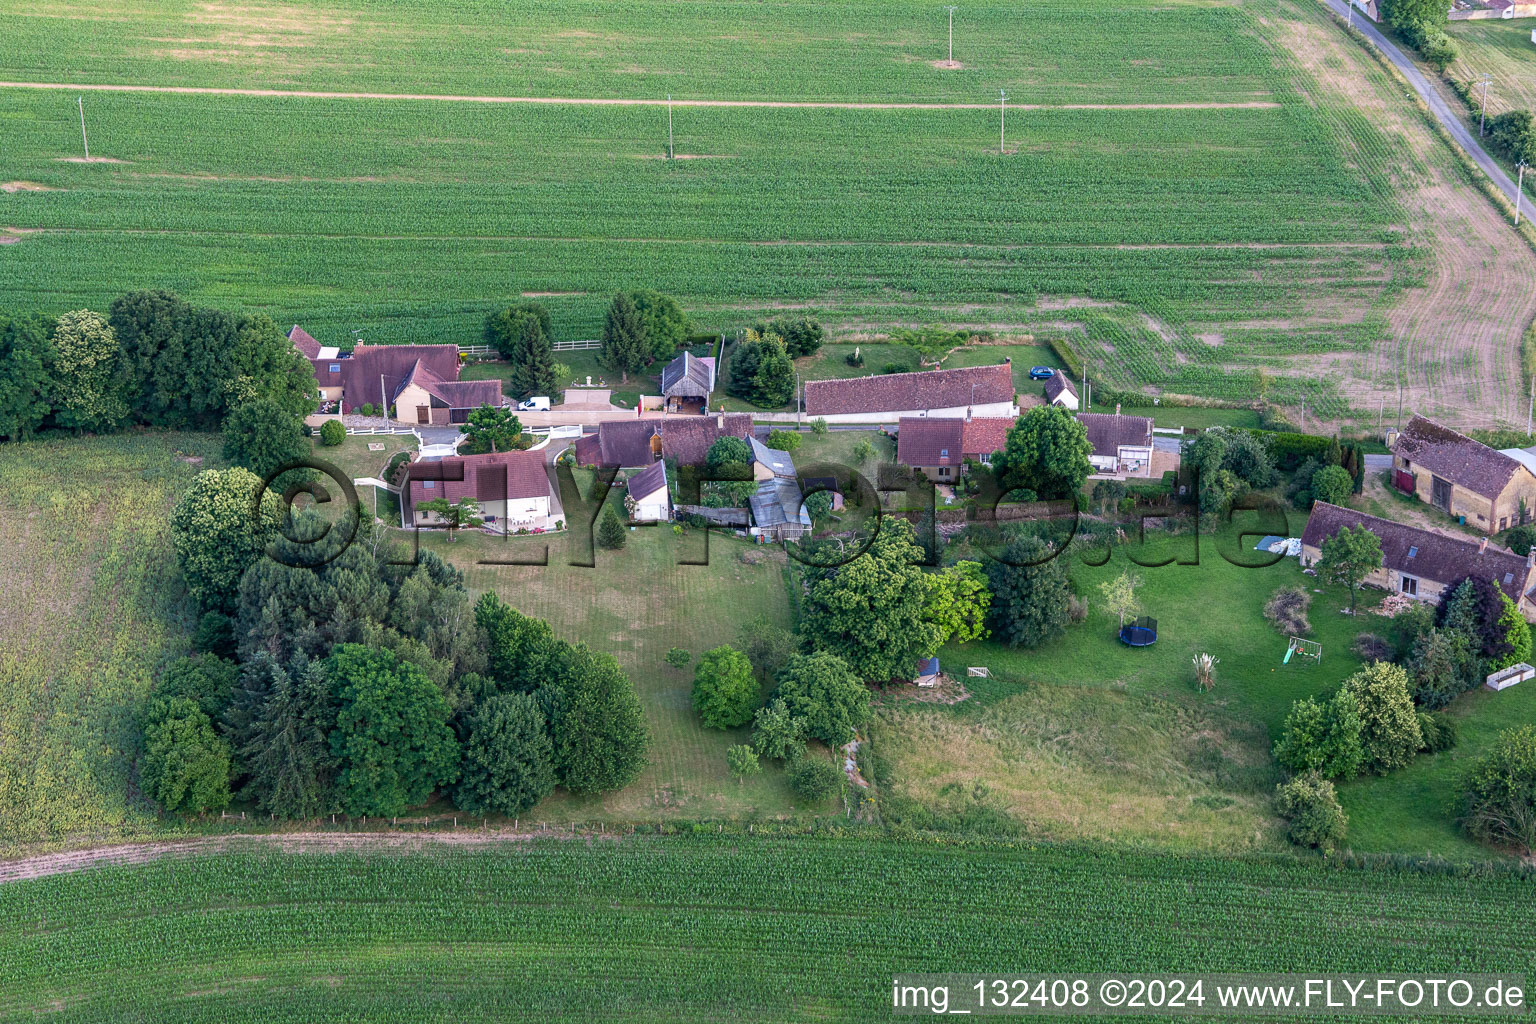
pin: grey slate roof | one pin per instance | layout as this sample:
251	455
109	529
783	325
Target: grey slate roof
1455	457
688	376
778	462
1057	384
778	501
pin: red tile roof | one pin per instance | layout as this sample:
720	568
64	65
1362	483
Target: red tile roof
684	439
493	477
923	440
304	343
915	392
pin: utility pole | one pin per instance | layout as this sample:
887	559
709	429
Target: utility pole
1349	14
1002	116
1530	406
84	141
951	36
1482	118
669	127
1519	190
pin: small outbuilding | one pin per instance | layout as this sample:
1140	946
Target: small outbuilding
648	491
927	671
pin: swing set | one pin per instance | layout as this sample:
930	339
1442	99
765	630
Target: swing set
1310	651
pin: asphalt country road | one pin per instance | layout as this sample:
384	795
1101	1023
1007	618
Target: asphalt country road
1431	96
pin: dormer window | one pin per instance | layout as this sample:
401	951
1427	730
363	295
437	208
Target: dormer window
1413	551
429	484
335	367
1509	578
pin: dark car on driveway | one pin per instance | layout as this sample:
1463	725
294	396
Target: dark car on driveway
1041	373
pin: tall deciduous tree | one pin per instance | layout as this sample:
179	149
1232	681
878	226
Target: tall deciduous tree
26	363
824	695
503	328
1348	557
508	761
264	437
625	347
802	335
724	693
666	325
391	742
219	530
185	767
1031	594
869	612
596	722
1322	737
958	600
1500	792
1046	451
89	391
455	515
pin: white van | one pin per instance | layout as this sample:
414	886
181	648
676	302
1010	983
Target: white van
539	403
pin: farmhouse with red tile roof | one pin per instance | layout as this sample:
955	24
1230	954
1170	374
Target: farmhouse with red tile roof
938	445
971	390
420	381
684	440
513	489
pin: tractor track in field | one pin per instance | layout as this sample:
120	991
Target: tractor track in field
64	862
755	242
595	101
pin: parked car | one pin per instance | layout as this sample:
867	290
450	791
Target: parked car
1041	373
539	403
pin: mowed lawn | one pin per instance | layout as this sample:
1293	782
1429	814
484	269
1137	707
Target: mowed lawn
635	604
1085	736
91	607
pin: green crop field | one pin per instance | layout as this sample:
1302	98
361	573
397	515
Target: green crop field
397	219
696	929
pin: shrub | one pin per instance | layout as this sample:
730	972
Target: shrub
854	358
725	694
610	531
332	433
1322	737
1373	647
813	779
1309	803
1332	484
784	440
819	426
1439	731
863	451
742	760
1287	611
1519	539
896	368
677	657
1500	792
1389	726
367	409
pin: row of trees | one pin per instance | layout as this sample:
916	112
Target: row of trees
364	686
153	359
1420	24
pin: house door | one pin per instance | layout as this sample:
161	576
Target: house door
1440	493
423	414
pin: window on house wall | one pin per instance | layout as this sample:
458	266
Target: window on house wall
335	367
1409	586
1503	522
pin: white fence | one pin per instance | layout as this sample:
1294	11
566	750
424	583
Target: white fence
475	350
385	430
575	346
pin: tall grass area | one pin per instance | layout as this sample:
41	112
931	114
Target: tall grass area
698	928
92	604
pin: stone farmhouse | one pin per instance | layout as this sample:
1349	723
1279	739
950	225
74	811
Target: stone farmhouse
1423	563
1122	445
635	443
1482	487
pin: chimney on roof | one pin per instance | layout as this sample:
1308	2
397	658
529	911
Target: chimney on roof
1482	545
1530	559
720	420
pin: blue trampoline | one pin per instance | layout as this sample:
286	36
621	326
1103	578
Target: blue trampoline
1140	633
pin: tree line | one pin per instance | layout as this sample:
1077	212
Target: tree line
153	359
365	686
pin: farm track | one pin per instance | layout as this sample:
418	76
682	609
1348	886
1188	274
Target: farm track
591	101
68	861
683	240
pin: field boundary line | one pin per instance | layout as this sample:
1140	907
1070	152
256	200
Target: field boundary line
594	101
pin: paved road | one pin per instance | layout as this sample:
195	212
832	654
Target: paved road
1451	119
